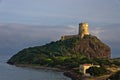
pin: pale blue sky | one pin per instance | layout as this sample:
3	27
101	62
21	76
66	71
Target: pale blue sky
25	23
59	12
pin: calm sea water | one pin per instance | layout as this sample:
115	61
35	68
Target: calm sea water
9	72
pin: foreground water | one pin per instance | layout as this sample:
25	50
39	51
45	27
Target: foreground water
9	72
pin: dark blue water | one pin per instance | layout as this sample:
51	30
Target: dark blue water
9	72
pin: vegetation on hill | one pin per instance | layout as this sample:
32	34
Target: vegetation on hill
61	52
115	76
67	54
116	61
96	71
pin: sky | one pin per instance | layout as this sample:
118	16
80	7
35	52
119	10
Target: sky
26	23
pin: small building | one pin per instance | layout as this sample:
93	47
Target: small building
84	67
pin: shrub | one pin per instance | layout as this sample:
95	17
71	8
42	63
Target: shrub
96	71
115	76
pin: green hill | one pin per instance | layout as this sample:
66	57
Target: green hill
60	52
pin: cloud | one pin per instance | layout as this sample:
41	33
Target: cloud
59	11
14	37
18	36
109	34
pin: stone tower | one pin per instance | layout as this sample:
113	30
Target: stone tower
83	29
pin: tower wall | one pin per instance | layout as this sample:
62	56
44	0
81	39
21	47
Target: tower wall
83	29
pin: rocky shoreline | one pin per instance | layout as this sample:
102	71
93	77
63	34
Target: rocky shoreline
69	73
73	76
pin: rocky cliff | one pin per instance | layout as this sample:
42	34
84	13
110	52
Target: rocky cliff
92	47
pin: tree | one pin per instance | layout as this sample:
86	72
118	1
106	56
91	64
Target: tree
96	71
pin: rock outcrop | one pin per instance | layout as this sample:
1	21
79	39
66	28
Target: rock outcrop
92	47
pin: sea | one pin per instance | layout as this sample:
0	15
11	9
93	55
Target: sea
11	72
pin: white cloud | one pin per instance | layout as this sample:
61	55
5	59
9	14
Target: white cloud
97	31
108	32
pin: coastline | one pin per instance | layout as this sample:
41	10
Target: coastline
66	73
38	67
